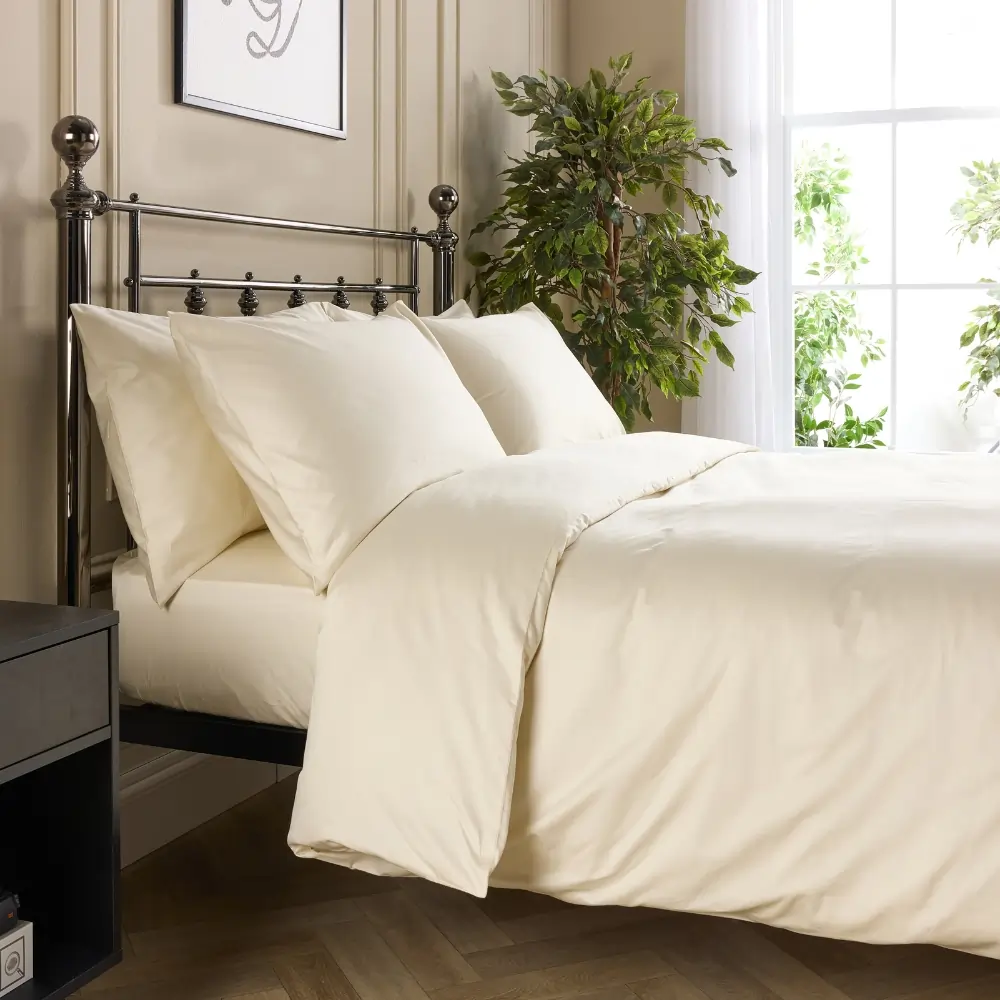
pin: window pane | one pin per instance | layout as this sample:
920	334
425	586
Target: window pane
857	161
931	157
841	55
943	54
833	329
931	366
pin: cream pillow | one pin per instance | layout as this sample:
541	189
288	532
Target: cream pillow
341	315
331	433
182	499
459	310
532	389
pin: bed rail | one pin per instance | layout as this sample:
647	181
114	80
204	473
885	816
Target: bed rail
76	139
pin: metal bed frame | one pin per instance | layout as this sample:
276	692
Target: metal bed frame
76	139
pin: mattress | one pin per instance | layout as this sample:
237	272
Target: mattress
238	639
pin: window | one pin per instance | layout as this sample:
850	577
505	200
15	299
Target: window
889	107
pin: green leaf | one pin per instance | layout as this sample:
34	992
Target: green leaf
621	64
572	123
598	79
501	80
721	350
721	319
727	167
479	258
744	276
575	277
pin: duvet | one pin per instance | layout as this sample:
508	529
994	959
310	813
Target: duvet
667	671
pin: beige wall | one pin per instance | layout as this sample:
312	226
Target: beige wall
653	30
420	110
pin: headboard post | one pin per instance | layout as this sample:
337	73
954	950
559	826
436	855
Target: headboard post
444	200
75	139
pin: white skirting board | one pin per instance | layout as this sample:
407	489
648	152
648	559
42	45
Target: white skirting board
174	792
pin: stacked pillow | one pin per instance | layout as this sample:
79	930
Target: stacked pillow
331	432
313	424
215	427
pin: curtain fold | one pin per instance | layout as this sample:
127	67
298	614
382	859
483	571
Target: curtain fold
732	90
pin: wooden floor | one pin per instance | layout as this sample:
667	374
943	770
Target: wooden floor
228	912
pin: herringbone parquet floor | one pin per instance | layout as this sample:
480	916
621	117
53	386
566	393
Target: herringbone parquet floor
228	912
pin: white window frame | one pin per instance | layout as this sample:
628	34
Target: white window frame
782	255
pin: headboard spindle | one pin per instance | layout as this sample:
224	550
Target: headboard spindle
195	301
248	301
296	299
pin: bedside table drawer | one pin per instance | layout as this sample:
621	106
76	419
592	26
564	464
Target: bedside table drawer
52	696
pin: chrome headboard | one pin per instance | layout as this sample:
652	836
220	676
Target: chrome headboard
76	139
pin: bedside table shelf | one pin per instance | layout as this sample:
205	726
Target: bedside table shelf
59	839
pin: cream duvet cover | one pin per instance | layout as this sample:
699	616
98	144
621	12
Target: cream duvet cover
770	692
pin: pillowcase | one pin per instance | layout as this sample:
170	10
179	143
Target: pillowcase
532	389
331	433
341	314
459	310
182	499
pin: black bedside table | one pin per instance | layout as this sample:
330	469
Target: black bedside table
59	845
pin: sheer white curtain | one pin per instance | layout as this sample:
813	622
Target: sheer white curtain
732	90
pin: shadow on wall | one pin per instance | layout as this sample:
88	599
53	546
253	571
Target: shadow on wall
486	139
27	390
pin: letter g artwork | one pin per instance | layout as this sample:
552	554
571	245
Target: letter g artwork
281	16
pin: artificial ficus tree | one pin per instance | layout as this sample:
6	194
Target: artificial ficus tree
648	291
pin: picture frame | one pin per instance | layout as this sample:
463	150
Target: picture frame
283	62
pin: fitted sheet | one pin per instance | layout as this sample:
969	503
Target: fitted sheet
238	639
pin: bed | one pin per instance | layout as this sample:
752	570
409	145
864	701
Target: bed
647	669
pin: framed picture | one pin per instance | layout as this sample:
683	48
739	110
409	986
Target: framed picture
278	61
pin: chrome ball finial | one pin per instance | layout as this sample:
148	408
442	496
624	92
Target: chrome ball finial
443	200
75	139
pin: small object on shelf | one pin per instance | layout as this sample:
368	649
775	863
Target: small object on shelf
9	904
16	960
